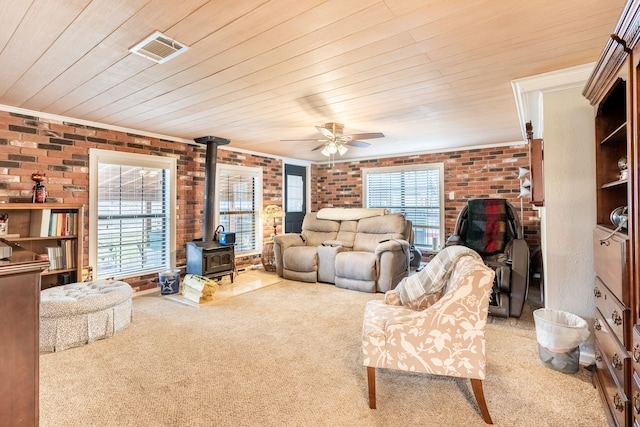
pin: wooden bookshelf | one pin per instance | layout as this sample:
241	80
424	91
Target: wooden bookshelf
38	226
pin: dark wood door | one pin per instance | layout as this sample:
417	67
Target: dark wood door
295	197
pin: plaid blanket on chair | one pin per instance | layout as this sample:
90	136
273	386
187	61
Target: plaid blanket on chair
486	225
433	277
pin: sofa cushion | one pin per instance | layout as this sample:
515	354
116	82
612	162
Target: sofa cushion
372	231
301	258
347	233
316	231
357	265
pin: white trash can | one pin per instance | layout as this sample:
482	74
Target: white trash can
559	335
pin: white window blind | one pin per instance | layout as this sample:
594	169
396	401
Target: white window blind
417	192
238	200
132	215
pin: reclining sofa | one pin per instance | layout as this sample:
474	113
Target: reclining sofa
360	249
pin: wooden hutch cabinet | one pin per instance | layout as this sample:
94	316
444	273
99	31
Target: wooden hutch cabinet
19	337
613	89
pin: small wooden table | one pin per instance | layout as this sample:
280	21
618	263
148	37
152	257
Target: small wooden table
268	256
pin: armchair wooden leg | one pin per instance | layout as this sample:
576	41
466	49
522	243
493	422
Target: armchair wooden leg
371	381
476	385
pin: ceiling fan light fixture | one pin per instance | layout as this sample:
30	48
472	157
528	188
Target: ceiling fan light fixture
342	149
325	151
332	148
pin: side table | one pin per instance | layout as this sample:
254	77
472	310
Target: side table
268	256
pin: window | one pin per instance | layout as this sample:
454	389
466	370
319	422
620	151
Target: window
132	213
416	191
239	189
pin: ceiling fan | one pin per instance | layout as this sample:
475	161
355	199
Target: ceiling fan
336	141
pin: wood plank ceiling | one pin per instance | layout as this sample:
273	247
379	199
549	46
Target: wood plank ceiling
430	74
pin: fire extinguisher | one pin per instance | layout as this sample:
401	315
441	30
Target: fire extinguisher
39	191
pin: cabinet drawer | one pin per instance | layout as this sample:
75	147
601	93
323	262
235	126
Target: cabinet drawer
617	402
616	314
612	351
610	262
635	399
635	348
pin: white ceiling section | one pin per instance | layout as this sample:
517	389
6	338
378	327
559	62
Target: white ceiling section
430	74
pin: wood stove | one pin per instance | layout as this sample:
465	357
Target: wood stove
208	258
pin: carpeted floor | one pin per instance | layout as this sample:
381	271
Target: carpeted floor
289	355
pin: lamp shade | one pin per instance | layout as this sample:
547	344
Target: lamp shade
272	211
524	192
522	172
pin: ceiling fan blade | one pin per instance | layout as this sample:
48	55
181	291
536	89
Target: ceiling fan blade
326	132
320	146
357	143
370	135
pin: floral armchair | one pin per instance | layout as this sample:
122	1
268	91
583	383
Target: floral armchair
447	338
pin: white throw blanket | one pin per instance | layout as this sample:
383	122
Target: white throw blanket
349	214
434	275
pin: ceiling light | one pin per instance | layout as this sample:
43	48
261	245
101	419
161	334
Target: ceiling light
325	151
342	149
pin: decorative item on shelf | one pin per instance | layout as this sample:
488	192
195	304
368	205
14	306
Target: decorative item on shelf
273	212
4	224
619	217
623	165
39	190
525	190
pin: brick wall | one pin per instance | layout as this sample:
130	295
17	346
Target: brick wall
61	151
490	172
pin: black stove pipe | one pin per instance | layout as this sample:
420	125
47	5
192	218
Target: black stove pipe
212	142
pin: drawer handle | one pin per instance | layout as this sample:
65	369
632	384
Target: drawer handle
615	361
598	356
597	293
616	318
596	325
617	402
636	402
636	353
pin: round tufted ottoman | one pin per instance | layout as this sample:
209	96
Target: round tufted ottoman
79	313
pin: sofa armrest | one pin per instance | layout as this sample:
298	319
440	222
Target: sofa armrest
453	240
392	245
519	275
289	239
280	243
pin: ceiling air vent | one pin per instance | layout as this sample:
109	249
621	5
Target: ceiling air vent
159	48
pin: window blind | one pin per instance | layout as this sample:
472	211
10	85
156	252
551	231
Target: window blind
415	193
132	220
238	208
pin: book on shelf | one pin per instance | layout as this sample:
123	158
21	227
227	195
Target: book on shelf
63	256
63	224
55	257
39	225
